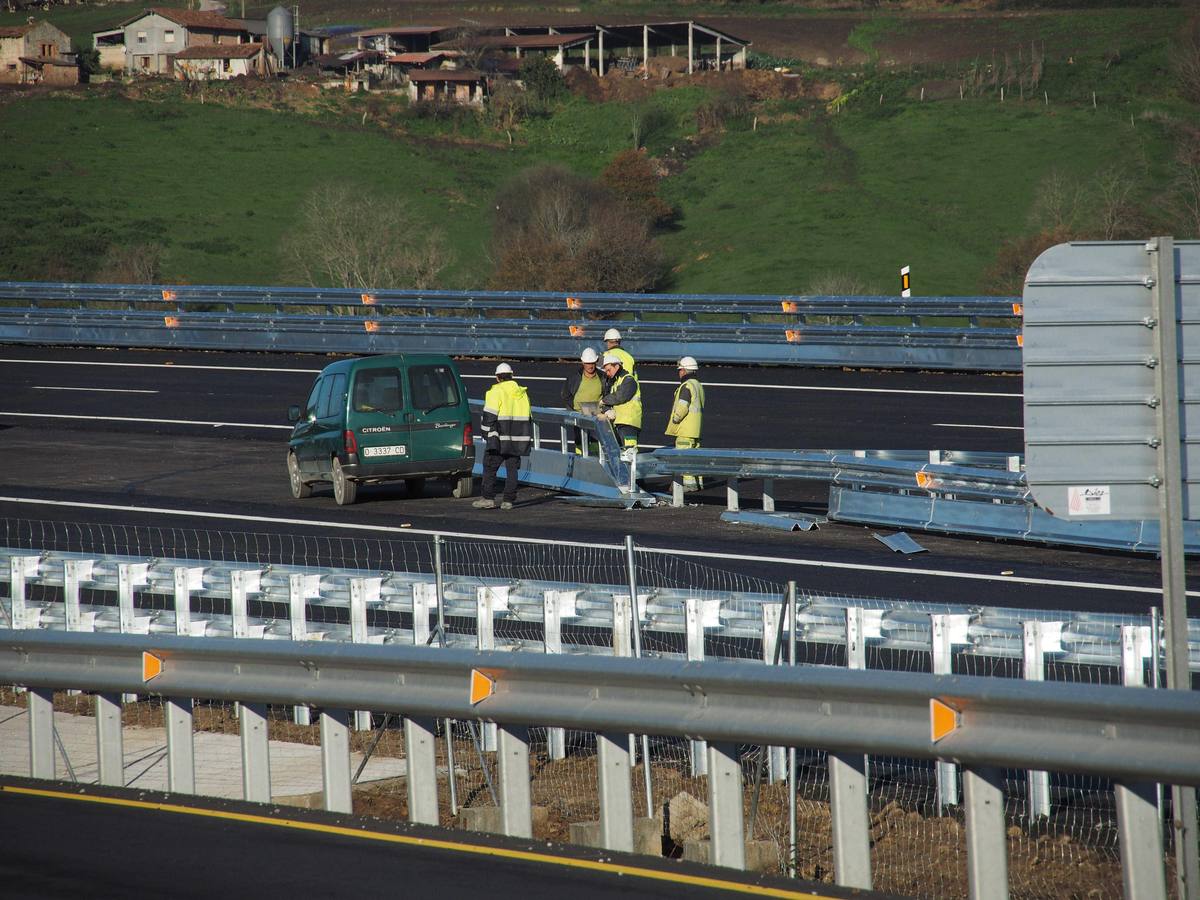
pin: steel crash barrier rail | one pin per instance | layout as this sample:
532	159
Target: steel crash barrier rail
951	333
1136	737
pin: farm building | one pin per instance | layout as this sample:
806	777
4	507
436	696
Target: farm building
465	86
37	52
216	62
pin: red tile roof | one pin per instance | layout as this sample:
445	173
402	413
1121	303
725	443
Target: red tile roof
189	18
445	75
220	51
414	59
524	41
401	29
11	31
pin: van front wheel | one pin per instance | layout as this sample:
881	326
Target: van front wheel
300	488
345	491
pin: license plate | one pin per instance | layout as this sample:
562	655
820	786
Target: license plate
392	450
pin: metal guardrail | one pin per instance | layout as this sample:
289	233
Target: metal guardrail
952	333
1136	737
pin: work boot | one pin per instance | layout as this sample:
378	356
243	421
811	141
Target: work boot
506	504
484	503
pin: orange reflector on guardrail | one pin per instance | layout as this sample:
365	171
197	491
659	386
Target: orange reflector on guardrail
1020	340
943	720
171	321
794	336
924	479
1018	309
482	686
370	325
574	303
576	330
168	295
368	299
790	305
152	666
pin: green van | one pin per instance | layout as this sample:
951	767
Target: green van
382	418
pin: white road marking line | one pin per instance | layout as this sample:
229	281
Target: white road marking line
151	421
992	427
47	387
720	384
494	536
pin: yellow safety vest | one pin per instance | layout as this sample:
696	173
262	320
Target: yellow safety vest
689	425
629	413
590	390
627	361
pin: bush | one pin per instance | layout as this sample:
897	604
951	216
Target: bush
556	230
542	79
632	180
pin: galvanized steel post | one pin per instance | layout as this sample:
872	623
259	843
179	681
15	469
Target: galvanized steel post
987	846
335	760
848	786
635	607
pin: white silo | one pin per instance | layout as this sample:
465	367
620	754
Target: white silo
279	34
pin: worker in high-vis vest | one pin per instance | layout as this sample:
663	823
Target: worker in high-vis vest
507	427
622	403
687	414
584	386
612	340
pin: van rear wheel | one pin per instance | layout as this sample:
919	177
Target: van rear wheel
345	491
462	487
300	487
414	486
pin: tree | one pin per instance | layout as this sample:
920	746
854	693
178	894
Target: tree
352	237
542	79
557	230
632	180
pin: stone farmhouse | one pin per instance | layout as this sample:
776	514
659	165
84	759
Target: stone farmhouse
37	53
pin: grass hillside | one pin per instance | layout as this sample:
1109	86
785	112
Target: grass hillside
841	184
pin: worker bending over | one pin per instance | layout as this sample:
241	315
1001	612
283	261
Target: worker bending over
622	403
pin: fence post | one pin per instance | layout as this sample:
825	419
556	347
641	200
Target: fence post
694	628
987	848
946	631
335	760
725	815
20	568
552	613
109	745
363	591
512	765
771	654
636	629
1036	635
181	753
848	785
791	753
1138	819
75	572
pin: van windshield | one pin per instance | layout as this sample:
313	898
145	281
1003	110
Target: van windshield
433	387
378	390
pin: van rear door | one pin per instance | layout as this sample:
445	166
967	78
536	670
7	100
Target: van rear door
436	400
377	416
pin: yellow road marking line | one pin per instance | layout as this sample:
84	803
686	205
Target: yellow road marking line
434	843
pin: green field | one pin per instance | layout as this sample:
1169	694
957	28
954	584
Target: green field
806	195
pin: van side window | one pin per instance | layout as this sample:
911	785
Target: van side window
377	390
433	387
314	397
333	400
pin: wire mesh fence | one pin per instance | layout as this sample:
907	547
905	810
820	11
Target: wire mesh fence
570	598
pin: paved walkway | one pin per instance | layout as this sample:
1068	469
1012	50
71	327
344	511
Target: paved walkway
295	768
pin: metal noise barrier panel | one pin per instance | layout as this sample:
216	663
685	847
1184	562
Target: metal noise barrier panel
950	333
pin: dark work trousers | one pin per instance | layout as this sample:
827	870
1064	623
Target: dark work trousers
492	460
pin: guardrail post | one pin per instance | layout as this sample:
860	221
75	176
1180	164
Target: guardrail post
363	591
563	438
424	599
110	754
335	760
512	764
694	628
726	822
41	732
1138	818
732	501
130	576
552	613
622	639
677	491
776	764
848	785
242	583
616	792
987	848
181	753
537	435
945	632
488	601
185	580
19	569
75	572
256	752
768	495
420	747
1035	635
301	588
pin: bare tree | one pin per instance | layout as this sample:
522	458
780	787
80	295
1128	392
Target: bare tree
131	264
1114	202
1185	59
1186	194
1056	203
350	237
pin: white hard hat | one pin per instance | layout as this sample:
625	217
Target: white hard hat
688	363
611	359
504	369
589	355
612	335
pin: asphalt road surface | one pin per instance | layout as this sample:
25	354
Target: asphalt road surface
197	440
99	843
